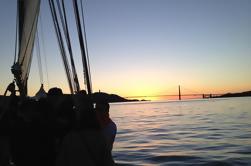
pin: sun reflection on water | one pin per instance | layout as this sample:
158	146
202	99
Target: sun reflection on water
189	131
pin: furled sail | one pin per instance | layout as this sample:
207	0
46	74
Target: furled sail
28	11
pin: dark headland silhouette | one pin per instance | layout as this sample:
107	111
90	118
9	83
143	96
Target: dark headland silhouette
241	94
111	98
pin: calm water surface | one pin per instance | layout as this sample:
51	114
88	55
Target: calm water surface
197	132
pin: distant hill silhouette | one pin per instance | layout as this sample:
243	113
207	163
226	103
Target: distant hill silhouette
241	94
102	96
111	98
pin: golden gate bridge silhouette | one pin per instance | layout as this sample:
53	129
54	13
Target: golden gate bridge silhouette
179	95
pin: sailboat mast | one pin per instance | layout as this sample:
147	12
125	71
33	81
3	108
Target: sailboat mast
82	47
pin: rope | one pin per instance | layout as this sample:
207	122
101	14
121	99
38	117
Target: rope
39	60
82	47
64	30
44	52
17	23
67	36
61	45
86	46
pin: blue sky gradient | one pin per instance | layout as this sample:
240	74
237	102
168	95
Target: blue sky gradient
147	47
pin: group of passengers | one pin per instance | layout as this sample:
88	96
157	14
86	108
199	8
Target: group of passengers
59	130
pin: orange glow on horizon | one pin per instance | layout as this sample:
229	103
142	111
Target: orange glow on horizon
146	92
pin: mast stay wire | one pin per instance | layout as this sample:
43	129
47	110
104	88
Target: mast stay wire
40	68
44	51
60	43
68	42
64	30
16	38
82	47
85	40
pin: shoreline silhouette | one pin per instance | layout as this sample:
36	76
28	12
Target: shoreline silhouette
239	94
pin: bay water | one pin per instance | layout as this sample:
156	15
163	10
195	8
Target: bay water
189	132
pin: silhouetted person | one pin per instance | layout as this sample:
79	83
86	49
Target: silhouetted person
7	117
82	92
46	144
85	145
55	92
108	127
11	88
65	117
62	116
4	140
31	141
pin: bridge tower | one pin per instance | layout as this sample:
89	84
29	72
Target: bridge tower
179	93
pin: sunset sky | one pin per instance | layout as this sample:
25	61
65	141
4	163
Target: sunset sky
146	47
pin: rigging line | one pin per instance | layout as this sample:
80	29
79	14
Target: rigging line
60	43
85	37
82	46
61	19
16	38
85	51
43	47
70	50
75	77
39	60
65	57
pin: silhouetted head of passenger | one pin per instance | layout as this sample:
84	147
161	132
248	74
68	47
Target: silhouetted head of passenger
82	92
102	113
65	114
102	107
11	88
55	92
87	119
